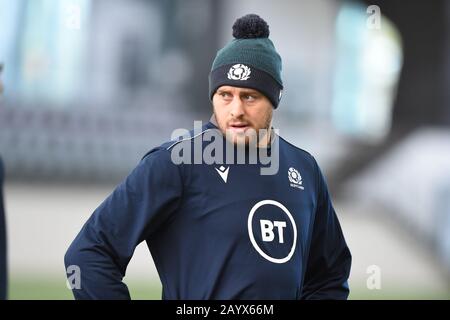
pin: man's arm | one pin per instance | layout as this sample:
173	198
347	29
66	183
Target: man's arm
135	209
329	260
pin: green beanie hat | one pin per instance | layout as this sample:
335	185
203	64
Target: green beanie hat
250	61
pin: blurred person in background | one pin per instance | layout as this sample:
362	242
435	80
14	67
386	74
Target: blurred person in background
3	265
3	273
1	83
223	231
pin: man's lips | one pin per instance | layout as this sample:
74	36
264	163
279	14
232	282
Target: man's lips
238	126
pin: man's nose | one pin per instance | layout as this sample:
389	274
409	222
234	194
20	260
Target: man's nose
237	108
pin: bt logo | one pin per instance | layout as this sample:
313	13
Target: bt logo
267	230
275	233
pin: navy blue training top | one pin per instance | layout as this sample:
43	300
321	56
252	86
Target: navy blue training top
217	231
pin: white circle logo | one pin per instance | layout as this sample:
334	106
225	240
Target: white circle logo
252	238
239	72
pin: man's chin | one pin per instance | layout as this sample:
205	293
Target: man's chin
244	137
241	139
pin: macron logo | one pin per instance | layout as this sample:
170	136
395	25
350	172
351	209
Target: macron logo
223	172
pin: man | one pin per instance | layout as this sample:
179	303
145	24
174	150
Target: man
223	230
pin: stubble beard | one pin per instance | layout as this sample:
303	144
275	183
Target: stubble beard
252	137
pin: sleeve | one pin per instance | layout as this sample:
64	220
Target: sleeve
133	212
329	260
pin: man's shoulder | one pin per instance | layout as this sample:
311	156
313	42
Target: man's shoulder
188	138
297	150
159	151
164	150
156	161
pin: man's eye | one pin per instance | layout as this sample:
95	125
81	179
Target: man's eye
224	94
249	97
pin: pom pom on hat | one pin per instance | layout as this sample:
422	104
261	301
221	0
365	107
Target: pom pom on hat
250	26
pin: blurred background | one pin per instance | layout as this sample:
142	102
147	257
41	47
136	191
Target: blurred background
90	86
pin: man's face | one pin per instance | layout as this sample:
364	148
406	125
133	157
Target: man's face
242	111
